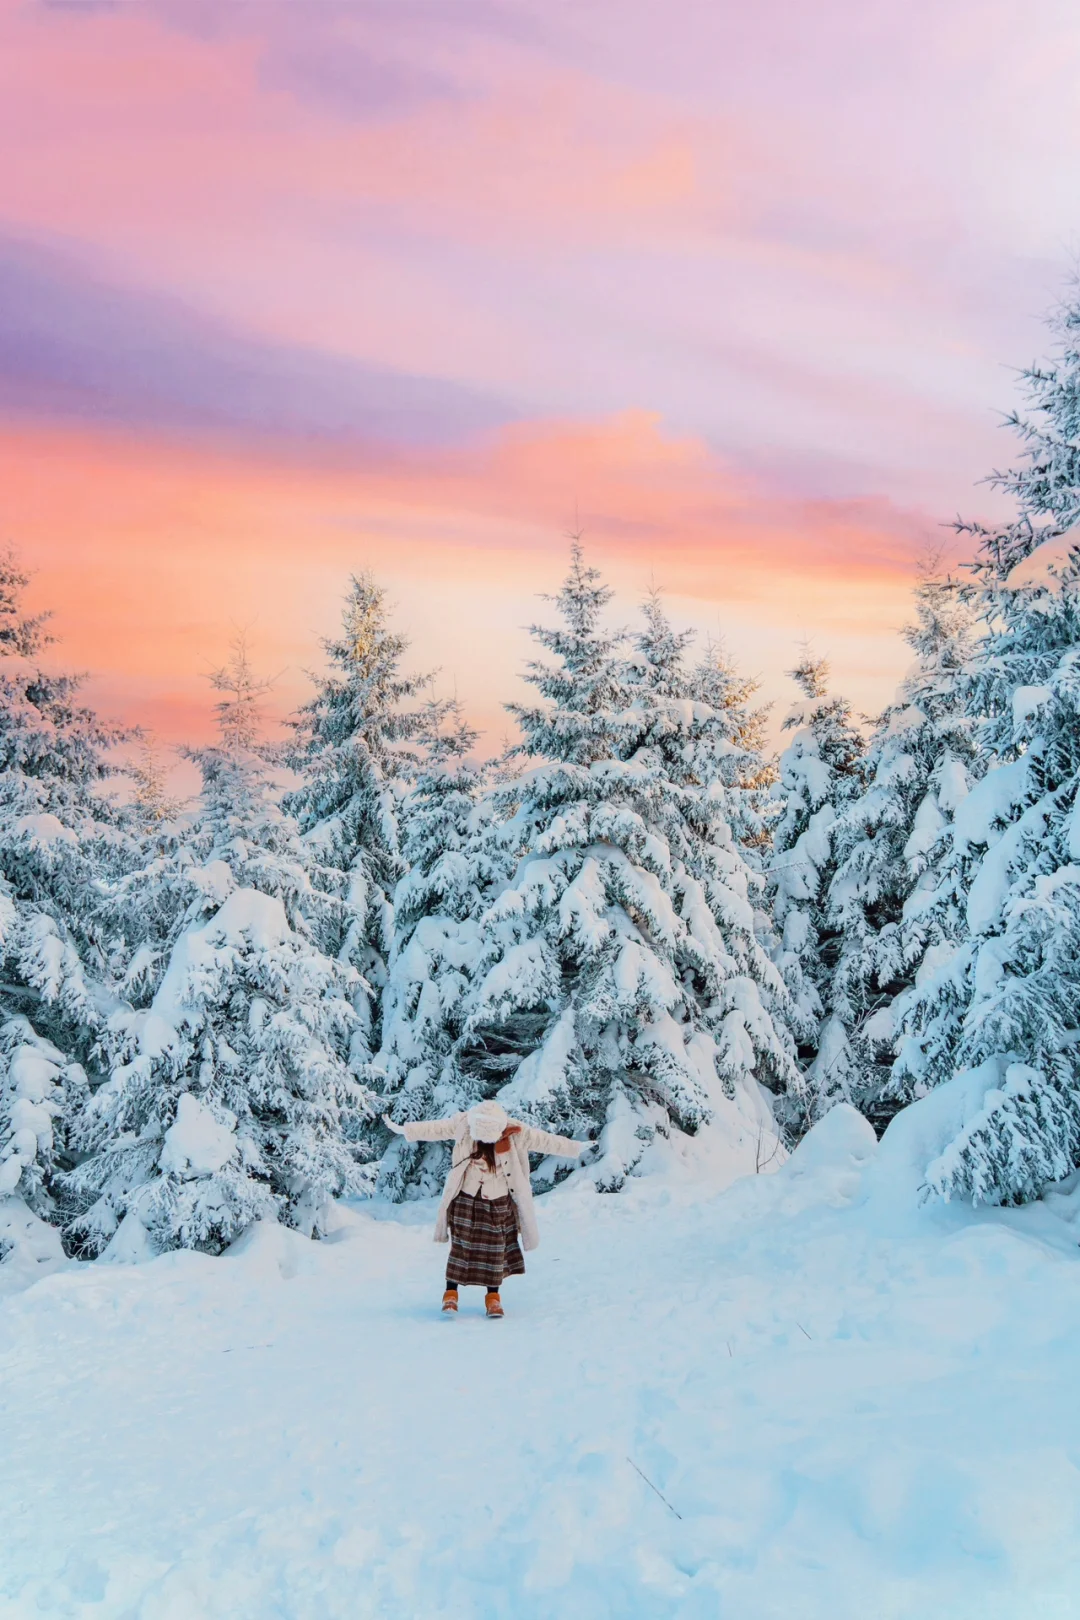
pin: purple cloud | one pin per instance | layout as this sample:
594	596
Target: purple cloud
361	59
73	346
339	76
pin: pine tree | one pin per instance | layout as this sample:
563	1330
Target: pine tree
886	903
352	744
714	807
61	837
234	1091
1003	996
1046	484
452	865
623	988
741	766
820	773
997	999
153	804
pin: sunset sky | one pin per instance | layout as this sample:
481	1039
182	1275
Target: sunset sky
290	288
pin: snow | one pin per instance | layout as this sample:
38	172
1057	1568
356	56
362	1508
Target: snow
29	1249
991	802
1028	700
32	1074
990	887
44	830
953	785
845	1413
247	917
214	879
1045	566
197	1143
922	1132
544	1070
130	1244
926	828
249	914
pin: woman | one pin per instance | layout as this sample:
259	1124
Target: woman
487	1199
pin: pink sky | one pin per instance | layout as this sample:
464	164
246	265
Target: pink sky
288	291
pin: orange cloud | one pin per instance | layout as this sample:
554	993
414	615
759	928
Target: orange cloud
153	555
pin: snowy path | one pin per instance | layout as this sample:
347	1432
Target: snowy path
852	1417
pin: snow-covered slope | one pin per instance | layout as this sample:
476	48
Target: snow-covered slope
843	1410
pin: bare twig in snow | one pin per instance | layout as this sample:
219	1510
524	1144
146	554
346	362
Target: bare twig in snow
652	1487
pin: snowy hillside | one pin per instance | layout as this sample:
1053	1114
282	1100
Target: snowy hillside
842	1410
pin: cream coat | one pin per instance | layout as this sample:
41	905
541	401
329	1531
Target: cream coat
525	1141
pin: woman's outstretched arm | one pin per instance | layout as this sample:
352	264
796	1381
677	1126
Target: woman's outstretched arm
426	1130
562	1147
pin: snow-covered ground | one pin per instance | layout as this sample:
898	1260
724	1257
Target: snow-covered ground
851	1412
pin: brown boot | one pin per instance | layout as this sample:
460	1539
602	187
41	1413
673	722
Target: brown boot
493	1302
449	1300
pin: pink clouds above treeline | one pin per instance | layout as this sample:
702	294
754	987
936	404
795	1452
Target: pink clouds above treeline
286	291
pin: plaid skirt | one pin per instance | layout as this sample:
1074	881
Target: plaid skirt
484	1244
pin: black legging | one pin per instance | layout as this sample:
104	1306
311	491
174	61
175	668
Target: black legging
492	1288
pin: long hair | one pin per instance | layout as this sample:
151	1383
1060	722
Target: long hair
485	1151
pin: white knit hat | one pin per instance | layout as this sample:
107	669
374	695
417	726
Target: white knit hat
487	1121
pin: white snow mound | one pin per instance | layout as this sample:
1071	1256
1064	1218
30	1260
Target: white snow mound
29	1248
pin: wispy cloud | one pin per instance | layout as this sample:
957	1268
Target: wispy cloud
74	346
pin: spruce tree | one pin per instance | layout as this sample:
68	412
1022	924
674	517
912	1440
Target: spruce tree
452	866
1003	996
153	805
886	903
704	737
61	839
997	999
621	988
820	773
741	766
353	744
234	1092
1045	484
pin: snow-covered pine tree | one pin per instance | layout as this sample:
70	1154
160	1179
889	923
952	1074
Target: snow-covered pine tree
153	805
1002	999
60	834
741	766
699	727
233	1093
1045	485
821	771
353	745
452	865
886	903
622	988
